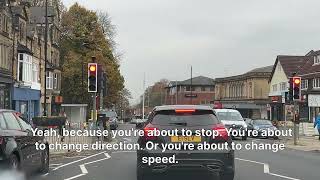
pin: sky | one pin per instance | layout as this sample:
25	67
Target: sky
164	38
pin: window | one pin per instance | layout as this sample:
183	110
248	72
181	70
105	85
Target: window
316	83
2	122
211	88
49	80
5	25
188	88
275	87
4	57
22	29
283	86
316	60
35	73
25	68
12	121
55	81
203	88
24	125
193	88
304	84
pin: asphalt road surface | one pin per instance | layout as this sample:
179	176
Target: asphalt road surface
250	165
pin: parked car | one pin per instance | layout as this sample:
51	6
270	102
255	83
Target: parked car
262	126
138	121
17	145
233	120
191	117
112	117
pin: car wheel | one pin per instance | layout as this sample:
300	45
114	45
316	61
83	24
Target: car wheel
14	162
227	176
44	161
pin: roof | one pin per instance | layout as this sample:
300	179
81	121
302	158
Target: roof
196	81
173	107
290	64
266	69
257	72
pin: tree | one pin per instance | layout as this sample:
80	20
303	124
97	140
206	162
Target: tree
83	37
155	94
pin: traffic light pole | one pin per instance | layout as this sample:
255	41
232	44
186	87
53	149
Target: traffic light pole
295	127
94	107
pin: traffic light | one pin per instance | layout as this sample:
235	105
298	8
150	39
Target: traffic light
92	77
296	88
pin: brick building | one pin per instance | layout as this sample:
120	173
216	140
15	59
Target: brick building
201	90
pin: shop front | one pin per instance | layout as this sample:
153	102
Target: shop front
5	96
248	109
314	106
277	108
27	102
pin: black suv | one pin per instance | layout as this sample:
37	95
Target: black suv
17	145
188	117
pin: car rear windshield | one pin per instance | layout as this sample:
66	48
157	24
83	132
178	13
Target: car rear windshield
197	118
229	116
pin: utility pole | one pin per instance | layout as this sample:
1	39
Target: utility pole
191	87
295	127
143	96
176	92
45	59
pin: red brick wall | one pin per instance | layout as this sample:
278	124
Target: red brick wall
182	99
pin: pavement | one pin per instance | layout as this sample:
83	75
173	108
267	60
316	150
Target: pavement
289	164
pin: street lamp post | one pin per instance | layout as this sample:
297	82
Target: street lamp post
45	59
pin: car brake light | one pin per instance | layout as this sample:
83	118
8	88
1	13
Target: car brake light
221	130
147	129
1	140
185	110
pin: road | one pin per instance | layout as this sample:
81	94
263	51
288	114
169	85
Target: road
250	165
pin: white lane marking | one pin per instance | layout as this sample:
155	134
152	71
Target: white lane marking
266	169
74	177
77	161
115	152
55	164
83	168
45	174
75	157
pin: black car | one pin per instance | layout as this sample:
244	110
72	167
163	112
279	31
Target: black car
17	145
262	126
191	117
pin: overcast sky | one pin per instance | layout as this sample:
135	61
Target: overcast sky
163	38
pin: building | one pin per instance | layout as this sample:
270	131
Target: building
53	69
26	90
308	68
6	51
201	90
247	93
22	46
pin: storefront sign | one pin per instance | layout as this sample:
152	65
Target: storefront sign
58	100
314	100
191	95
276	99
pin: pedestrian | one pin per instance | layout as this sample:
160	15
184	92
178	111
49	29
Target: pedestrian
317	124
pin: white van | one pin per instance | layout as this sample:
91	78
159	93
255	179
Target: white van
232	119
